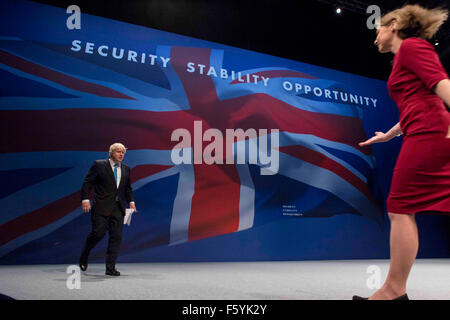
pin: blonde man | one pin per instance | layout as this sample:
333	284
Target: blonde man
110	179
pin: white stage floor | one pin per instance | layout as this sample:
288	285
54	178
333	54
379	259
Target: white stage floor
289	280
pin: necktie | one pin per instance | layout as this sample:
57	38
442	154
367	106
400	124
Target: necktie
115	171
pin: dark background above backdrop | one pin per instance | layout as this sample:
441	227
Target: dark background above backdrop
308	31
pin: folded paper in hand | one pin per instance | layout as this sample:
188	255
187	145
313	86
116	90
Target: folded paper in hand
127	218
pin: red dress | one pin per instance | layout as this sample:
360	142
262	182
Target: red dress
421	178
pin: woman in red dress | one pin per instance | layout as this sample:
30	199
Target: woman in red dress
421	179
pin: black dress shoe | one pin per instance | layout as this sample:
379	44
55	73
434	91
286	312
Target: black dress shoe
113	272
83	263
403	297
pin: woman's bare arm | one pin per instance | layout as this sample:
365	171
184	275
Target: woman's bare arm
442	89
383	137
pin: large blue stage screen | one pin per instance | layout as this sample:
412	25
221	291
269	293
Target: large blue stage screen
235	155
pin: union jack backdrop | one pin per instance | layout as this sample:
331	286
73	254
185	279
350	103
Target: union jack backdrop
62	105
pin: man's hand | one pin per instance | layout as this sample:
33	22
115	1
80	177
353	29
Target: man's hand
133	206
86	206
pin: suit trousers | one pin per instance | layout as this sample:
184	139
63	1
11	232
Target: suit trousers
100	224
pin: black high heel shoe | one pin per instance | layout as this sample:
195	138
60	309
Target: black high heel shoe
112	272
83	263
403	297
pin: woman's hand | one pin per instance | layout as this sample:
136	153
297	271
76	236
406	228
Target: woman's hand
379	137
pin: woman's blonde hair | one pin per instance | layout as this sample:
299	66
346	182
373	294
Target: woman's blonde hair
416	21
116	146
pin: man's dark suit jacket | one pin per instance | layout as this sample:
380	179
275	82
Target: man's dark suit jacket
101	177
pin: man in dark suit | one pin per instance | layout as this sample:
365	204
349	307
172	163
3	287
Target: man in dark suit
112	192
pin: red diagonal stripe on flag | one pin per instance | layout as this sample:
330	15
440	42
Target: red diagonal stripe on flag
264	111
58	77
320	160
39	218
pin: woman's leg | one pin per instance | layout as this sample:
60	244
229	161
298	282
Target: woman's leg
404	244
